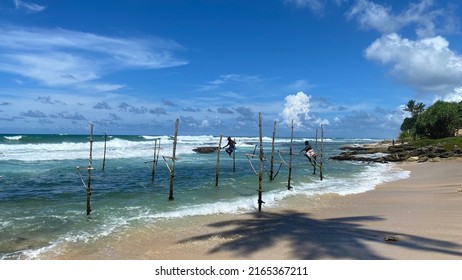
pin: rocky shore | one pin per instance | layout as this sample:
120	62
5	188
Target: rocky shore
205	150
384	152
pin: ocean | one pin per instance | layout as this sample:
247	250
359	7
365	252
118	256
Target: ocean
43	200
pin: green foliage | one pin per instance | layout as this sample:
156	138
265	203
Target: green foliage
414	109
440	120
408	124
447	143
405	136
408	131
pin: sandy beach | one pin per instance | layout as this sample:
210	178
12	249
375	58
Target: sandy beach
415	218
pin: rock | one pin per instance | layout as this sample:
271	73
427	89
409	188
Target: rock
405	152
413	159
435	159
423	159
205	150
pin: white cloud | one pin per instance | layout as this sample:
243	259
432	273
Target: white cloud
395	118
322	121
317	6
234	80
424	16
205	124
455	96
299	85
297	108
28	6
373	16
427	65
57	57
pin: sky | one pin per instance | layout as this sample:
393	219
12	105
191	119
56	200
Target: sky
135	66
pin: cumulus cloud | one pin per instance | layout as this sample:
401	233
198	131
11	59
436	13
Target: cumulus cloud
427	64
167	102
423	16
190	109
245	112
114	117
205	124
158	111
379	122
297	108
69	116
48	100
138	110
224	110
33	114
102	105
125	107
191	122
455	96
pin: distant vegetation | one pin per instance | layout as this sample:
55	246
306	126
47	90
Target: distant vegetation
440	121
447	143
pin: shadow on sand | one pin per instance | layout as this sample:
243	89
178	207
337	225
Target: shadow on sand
341	238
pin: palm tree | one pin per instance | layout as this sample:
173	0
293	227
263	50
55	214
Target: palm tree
414	109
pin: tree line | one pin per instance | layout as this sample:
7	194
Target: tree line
440	120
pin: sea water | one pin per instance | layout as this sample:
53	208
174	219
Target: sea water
43	199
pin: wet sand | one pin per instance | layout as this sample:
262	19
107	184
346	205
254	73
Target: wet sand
415	218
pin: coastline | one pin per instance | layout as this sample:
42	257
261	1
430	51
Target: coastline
413	218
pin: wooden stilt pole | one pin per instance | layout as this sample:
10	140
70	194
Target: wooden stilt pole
322	152
217	174
155	158
272	154
289	187
90	167
316	149
172	170
234	157
104	157
260	174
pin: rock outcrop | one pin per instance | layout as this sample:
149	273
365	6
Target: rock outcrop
205	150
396	153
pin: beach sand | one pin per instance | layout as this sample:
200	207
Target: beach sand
415	218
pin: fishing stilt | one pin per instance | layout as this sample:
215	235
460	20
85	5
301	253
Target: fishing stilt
260	174
289	187
271	173
87	186
104	156
153	163
322	152
234	157
217	173
316	149
172	168
90	167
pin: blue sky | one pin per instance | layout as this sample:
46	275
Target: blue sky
133	67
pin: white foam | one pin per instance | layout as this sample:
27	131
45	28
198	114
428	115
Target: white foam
372	176
13	138
116	149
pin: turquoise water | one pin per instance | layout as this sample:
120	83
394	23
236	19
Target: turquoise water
43	201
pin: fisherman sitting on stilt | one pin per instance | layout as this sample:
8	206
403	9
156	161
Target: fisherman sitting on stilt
310	153
231	146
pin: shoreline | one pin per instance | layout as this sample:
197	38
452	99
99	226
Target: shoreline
413	218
